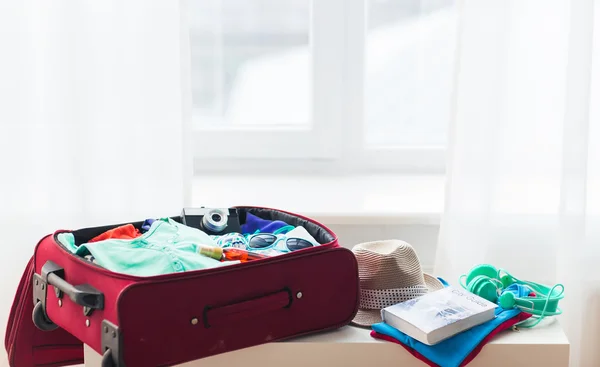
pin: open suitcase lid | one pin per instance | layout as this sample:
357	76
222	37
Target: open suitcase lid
28	346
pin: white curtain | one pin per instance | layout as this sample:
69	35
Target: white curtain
523	187
91	121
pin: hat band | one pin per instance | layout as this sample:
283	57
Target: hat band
376	299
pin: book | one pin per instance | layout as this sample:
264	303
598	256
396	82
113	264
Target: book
439	315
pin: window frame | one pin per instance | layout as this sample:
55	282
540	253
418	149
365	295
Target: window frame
334	142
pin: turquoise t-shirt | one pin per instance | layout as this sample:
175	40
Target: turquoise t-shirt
68	240
167	247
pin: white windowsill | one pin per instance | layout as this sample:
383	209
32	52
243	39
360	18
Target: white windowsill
360	199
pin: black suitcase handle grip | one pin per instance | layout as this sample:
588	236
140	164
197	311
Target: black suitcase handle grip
84	294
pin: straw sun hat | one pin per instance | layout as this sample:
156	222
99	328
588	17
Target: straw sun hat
389	272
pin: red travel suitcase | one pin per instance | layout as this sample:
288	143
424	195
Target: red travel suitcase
174	318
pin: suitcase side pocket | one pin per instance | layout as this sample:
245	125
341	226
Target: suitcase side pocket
232	313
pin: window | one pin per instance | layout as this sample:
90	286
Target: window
337	85
243	51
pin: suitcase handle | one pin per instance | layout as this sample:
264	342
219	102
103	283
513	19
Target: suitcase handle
232	313
84	294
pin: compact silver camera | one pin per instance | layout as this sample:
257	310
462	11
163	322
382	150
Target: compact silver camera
213	221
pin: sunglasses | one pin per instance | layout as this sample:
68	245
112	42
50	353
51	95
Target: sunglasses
264	241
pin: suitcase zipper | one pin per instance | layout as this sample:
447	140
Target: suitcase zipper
323	247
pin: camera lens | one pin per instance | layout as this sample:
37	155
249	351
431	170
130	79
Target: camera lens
215	221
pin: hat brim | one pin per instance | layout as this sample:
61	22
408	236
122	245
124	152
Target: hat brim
432	283
366	318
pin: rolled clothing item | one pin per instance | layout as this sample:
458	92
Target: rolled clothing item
254	224
233	239
444	282
124	232
458	350
68	240
147	224
301	232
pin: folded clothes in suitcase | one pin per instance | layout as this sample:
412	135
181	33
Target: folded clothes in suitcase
64	300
